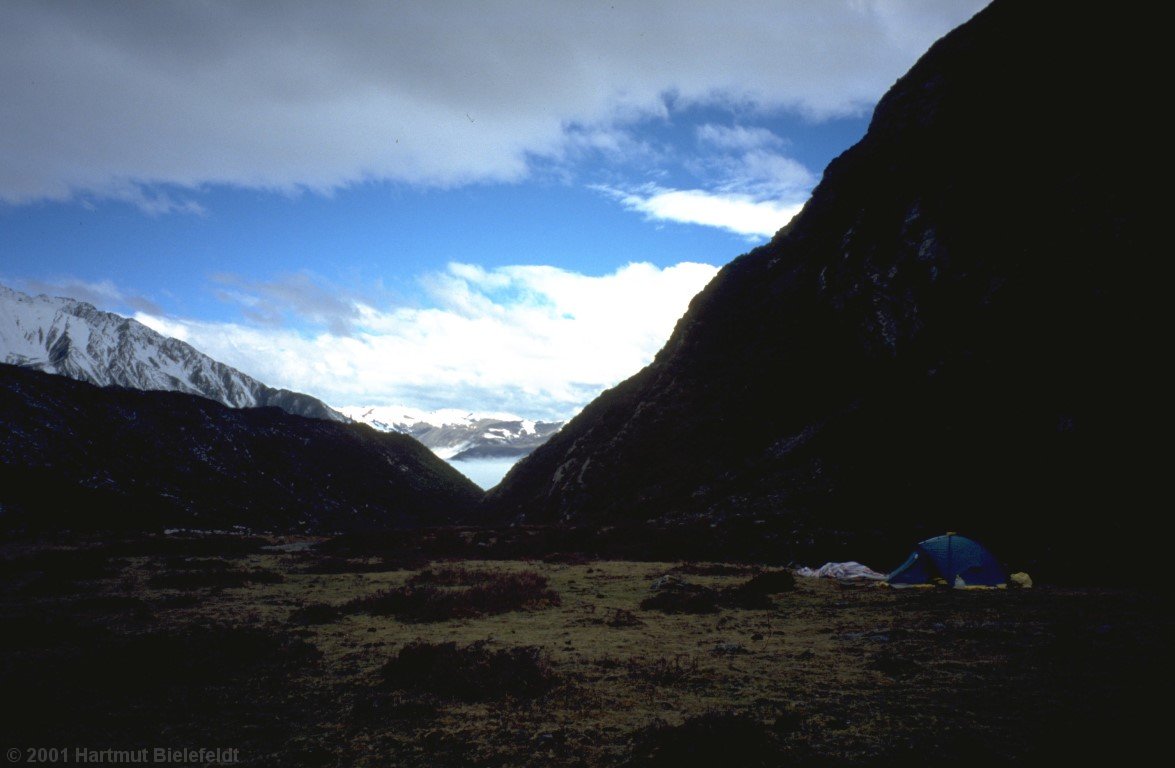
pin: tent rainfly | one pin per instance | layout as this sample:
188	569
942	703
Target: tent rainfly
957	560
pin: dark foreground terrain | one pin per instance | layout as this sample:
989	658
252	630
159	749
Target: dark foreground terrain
314	652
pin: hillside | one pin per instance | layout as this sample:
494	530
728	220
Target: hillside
953	334
79	456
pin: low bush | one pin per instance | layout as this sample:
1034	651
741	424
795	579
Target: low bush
678	670
493	593
222	579
755	594
623	618
315	613
461	577
713	569
58	571
471	673
568	558
770	583
715	738
378	708
194	545
689	599
330	564
672	594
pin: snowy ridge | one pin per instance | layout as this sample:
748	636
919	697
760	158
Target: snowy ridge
75	339
455	434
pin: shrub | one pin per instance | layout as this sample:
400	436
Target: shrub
567	558
693	599
674	595
623	618
664	671
715	738
741	597
184	580
194	545
391	602
181	563
471	673
712	569
330	564
315	613
461	577
58	571
193	656
379	707
755	593
493	593
770	583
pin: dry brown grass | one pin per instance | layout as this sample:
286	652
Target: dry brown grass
847	675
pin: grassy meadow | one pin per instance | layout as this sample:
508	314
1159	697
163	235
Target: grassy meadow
295	653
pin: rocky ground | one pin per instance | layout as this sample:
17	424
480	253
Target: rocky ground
304	652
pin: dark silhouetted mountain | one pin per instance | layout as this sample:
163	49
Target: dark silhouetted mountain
957	332
76	455
74	339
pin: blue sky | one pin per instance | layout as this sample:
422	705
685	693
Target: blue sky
492	206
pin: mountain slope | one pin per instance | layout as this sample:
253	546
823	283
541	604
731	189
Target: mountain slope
458	435
951	335
72	454
74	339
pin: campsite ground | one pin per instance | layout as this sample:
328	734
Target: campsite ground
304	655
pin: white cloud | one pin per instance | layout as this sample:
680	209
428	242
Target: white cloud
300	295
746	185
734	212
737	137
534	340
114	99
101	293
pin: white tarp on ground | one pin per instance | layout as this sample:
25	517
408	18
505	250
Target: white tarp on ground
850	571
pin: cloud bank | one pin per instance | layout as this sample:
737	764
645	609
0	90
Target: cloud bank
118	99
533	340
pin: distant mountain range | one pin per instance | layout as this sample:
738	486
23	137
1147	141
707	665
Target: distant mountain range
960	331
73	455
72	338
457	435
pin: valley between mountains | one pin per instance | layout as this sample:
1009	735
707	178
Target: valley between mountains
960	331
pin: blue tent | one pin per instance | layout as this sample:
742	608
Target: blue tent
958	560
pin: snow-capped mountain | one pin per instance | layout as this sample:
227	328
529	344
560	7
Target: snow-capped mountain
75	339
457	435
